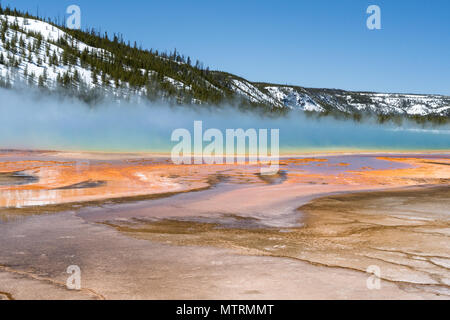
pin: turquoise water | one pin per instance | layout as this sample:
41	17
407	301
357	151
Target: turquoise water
30	121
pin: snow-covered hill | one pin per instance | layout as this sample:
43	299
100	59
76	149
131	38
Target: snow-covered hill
32	60
365	102
41	54
32	52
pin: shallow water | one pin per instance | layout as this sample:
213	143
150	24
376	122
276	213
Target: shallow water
344	164
53	178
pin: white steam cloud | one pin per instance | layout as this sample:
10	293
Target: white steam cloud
32	120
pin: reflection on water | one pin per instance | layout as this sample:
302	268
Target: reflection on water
16	178
84	185
27	198
37	197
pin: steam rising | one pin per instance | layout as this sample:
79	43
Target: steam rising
32	120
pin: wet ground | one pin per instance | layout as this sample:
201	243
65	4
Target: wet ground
226	232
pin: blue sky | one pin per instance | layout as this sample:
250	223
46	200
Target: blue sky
310	43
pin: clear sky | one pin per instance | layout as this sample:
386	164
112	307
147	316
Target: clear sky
320	43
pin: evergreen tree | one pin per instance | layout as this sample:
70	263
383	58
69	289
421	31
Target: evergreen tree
41	81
